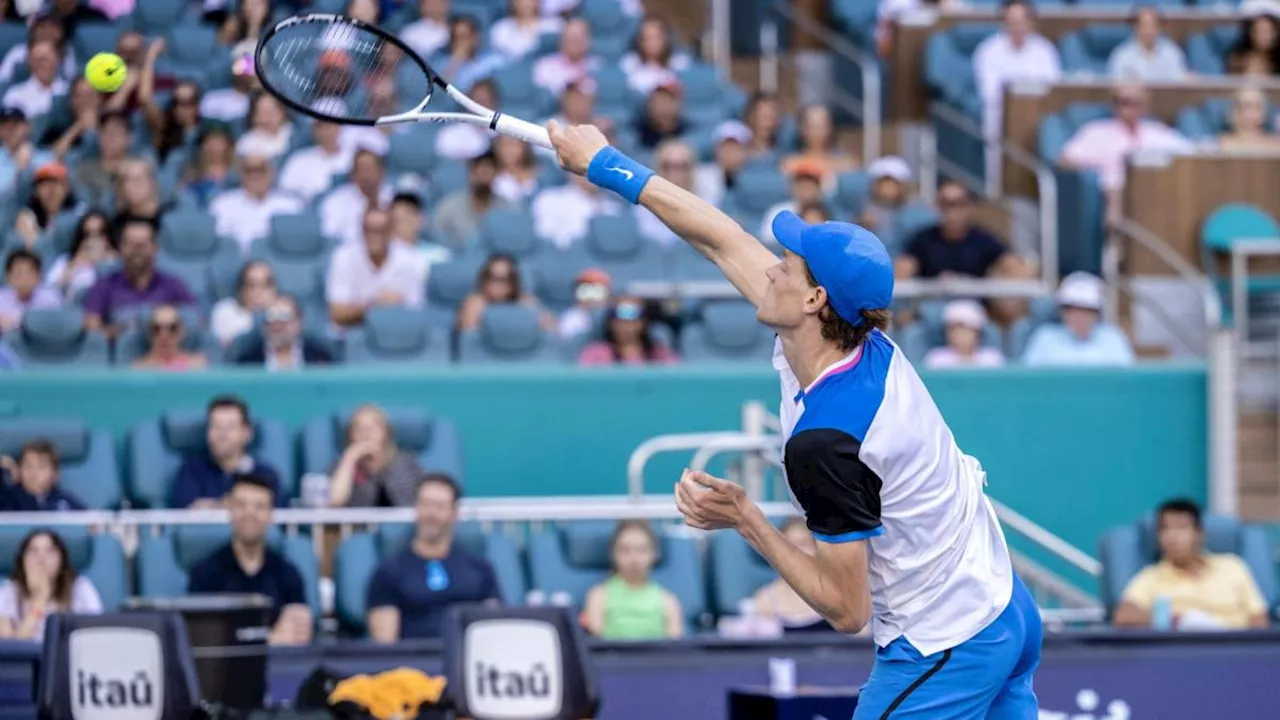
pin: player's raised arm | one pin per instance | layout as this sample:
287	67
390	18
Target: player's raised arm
582	149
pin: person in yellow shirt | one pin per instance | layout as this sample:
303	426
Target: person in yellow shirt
1203	590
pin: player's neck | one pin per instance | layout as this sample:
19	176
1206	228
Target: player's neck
809	354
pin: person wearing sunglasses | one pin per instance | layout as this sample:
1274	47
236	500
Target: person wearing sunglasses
497	284
165	333
628	338
590	297
282	344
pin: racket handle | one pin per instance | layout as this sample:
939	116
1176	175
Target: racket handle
526	131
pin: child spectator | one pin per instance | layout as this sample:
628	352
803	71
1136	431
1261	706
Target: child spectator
137	282
204	478
627	338
92	245
498	283
629	605
43	583
373	471
653	60
965	321
35	487
1081	338
521	31
232	316
22	290
165	333
51	199
778	601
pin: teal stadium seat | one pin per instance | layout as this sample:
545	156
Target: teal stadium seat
706	100
57	338
612	29
689	265
508	334
358	557
395	335
852	189
555	283
1129	548
410	154
192	53
614	244
574	557
12	34
1225	225
1087	50
162	562
1207	51
448	178
434	440
93	38
614	97
525	99
757	190
89	468
728	332
509	232
448	284
98	557
299	255
155	17
948	63
190	248
157	447
737	571
135	342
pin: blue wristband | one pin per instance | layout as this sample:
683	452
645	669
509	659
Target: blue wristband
612	170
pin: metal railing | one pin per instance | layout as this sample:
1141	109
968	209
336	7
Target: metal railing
902	289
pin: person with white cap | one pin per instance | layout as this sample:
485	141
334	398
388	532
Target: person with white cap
731	139
903	526
887	196
1081	338
965	321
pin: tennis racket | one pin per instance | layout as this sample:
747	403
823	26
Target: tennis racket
346	71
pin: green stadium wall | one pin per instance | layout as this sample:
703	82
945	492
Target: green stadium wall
1077	451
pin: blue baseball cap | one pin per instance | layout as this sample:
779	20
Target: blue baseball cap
847	260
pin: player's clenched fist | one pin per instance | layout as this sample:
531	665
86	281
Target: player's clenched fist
709	503
575	145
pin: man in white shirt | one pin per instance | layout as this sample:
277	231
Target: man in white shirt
309	171
374	271
244	213
1104	145
563	214
1148	56
342	212
430	32
35	95
571	64
1081	338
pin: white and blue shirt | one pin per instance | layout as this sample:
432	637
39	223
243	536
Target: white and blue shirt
869	457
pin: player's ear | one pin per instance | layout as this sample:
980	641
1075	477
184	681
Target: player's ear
816	300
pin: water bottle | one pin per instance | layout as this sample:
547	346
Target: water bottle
782	676
561	599
535	598
315	490
1162	613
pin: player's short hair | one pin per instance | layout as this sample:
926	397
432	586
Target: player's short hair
1180	506
843	333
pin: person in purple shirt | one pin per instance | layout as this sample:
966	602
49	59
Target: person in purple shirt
137	282
22	290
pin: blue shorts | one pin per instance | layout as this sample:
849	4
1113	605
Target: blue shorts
989	676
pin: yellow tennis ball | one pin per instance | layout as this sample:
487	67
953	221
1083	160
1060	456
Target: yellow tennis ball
105	72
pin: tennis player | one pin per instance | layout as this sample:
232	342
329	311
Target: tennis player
907	539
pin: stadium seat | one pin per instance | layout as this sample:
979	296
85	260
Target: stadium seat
448	178
612	29
134	343
409	154
737	571
705	100
1129	548
434	440
614	244
12	34
1213	118
448	284
574	557
93	38
190	247
948	61
294	238
98	557
508	333
686	264
57	338
392	335
154	17
509	232
358	557
1087	49
157	447
192	53
162	562
1207	51
757	190
516	88
1231	222
851	193
555	279
89	467
728	331
614	96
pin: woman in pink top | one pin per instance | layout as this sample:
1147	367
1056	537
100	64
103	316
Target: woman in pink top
628	339
165	332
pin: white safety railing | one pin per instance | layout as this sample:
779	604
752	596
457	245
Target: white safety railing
902	289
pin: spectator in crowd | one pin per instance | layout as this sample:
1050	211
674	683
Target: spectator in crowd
712	180
563	214
51	199
889	11
343	210
70	13
814	213
242	28
572	63
209	169
205	477
411	590
375	272
806	189
139	59
578	105
63	136
232	316
249	566
517	178
521	31
818	146
270	133
35	487
662	118
22	290
965	320
430	32
778	601
457	216
764	119
309	172
165	335
34	96
137	282
1149	56
373	471
92	245
497	283
1016	53
42	583
44	29
627	338
369	11
18	155
629	605
591	292
282	345
467	63
653	60
1081	338
1257	51
674	161
955	246
137	194
97	174
886	199
409	223
244	213
464	141
1197	589
1103	145
230	104
1249	130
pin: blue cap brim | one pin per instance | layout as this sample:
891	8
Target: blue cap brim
787	229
